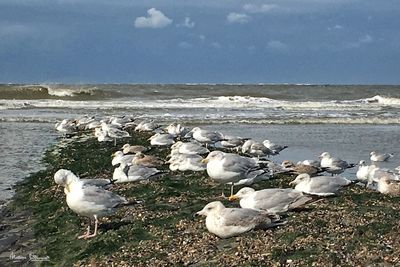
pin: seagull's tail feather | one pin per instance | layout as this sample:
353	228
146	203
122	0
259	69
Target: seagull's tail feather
351	165
269	220
130	203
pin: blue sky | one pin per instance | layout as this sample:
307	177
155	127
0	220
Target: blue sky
210	41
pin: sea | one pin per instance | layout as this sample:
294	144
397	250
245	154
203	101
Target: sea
349	121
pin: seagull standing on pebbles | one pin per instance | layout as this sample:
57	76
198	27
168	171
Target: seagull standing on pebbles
206	136
88	200
230	168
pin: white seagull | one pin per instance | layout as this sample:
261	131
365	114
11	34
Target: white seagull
319	185
228	222
89	200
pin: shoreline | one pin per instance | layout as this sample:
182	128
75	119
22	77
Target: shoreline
357	227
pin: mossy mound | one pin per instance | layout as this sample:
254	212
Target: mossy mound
358	227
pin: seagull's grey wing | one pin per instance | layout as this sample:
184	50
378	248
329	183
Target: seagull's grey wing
240	217
213	136
99	196
339	163
240	164
104	183
277	200
326	184
142	171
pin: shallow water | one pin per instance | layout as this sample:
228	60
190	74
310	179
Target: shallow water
22	146
348	142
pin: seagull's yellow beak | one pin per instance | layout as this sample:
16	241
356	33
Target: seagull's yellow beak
233	198
204	160
67	188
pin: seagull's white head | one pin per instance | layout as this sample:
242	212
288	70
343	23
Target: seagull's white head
211	207
242	193
214	155
300	178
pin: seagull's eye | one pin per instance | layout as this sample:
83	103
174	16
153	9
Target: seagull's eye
209	208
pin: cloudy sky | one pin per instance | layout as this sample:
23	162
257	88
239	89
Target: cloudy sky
209	41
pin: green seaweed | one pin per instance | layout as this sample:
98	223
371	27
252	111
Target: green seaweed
347	223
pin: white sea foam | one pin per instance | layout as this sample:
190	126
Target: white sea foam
390	101
222	102
70	92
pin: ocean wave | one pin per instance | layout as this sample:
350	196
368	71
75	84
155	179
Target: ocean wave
221	102
75	92
29	119
193	120
383	100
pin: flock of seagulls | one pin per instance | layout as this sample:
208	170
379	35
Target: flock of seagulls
228	160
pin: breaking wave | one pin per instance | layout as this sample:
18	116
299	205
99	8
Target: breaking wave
31	92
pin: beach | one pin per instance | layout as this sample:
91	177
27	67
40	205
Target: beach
357	227
309	120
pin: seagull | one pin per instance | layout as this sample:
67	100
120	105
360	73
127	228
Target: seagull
146	160
113	131
146	126
397	169
232	142
159	139
334	165
67	127
132	173
311	162
246	146
89	200
176	129
301	168
319	185
227	222
189	148
259	150
364	171
206	136
273	147
388	186
230	168
376	157
273	200
83	122
60	178
128	149
186	162
119	158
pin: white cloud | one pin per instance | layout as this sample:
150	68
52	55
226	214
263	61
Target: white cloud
185	45
237	18
259	9
276	45
187	23
215	45
14	30
336	27
251	49
366	39
156	19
